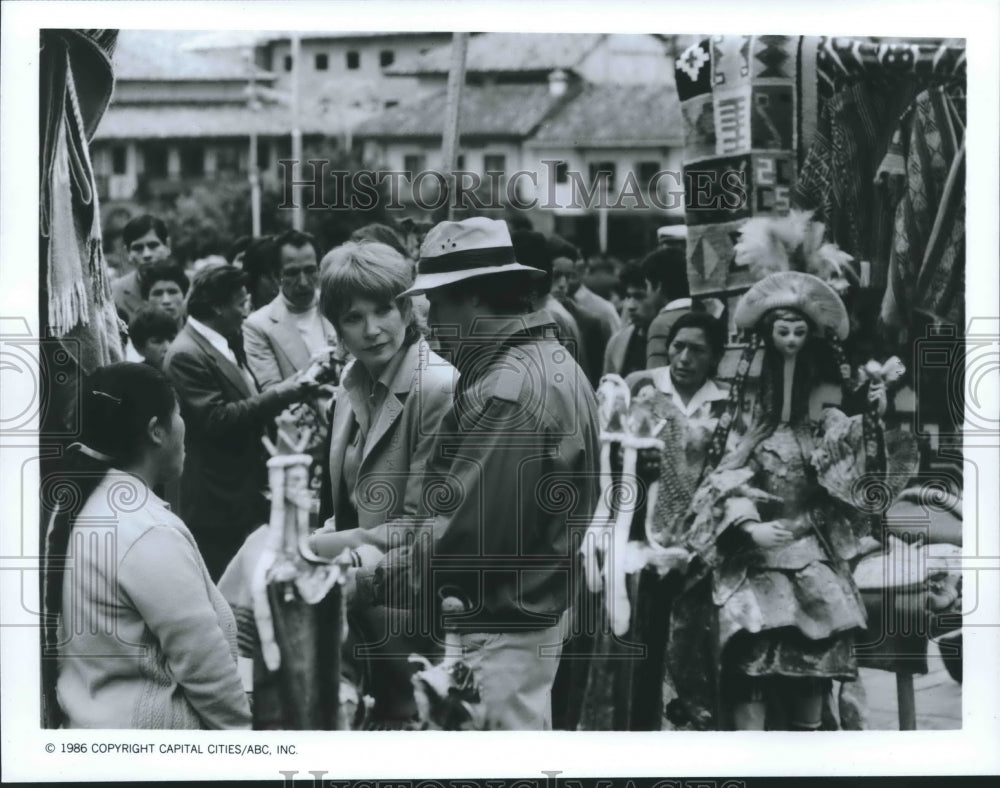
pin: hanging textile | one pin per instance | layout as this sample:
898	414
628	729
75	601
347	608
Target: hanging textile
927	265
857	91
738	101
75	83
837	180
885	64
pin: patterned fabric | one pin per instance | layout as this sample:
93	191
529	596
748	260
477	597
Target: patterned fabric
927	263
857	90
688	442
738	101
838	177
839	60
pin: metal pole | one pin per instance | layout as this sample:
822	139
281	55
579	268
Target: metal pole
453	101
253	164
298	215
602	228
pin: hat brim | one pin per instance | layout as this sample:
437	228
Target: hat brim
424	282
794	290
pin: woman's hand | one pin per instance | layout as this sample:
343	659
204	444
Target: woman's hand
768	535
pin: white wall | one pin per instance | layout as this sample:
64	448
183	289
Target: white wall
391	156
627	60
366	85
625	160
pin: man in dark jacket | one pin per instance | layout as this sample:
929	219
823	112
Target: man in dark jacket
514	472
226	416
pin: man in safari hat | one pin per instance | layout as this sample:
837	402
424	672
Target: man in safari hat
515	467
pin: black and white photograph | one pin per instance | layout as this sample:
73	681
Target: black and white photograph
617	400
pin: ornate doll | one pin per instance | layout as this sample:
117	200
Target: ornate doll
775	524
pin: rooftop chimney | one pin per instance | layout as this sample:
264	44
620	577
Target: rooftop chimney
558	80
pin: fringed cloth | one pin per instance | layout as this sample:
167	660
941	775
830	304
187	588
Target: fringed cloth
77	281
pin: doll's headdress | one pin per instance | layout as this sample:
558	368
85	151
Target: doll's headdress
794	290
794	242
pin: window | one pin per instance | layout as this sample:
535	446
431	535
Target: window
599	167
192	160
263	155
645	171
288	62
391	104
322	61
227	159
119	161
460	161
353	61
386	58
562	172
494	162
414	163
154	159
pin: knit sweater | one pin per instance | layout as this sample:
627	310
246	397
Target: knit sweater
146	639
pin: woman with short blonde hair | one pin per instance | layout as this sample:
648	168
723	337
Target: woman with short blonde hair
387	413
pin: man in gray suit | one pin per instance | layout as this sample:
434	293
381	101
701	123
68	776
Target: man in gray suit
283	337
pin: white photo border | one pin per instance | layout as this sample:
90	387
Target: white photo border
442	756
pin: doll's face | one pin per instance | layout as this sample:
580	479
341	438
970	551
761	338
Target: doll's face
789	336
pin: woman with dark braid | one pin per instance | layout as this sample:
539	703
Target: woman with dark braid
137	632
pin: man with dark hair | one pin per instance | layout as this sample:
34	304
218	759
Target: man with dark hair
523	425
591	302
284	336
223	478
151	332
234	255
146	241
260	263
164	285
667	298
626	350
594	332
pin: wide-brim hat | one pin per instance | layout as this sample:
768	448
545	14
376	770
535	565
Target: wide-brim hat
794	290
455	251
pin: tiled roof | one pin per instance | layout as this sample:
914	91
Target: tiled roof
237	38
164	55
164	122
495	111
616	115
500	52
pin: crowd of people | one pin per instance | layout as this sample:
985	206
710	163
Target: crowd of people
474	370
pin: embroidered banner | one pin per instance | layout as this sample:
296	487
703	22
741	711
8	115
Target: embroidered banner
738	101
